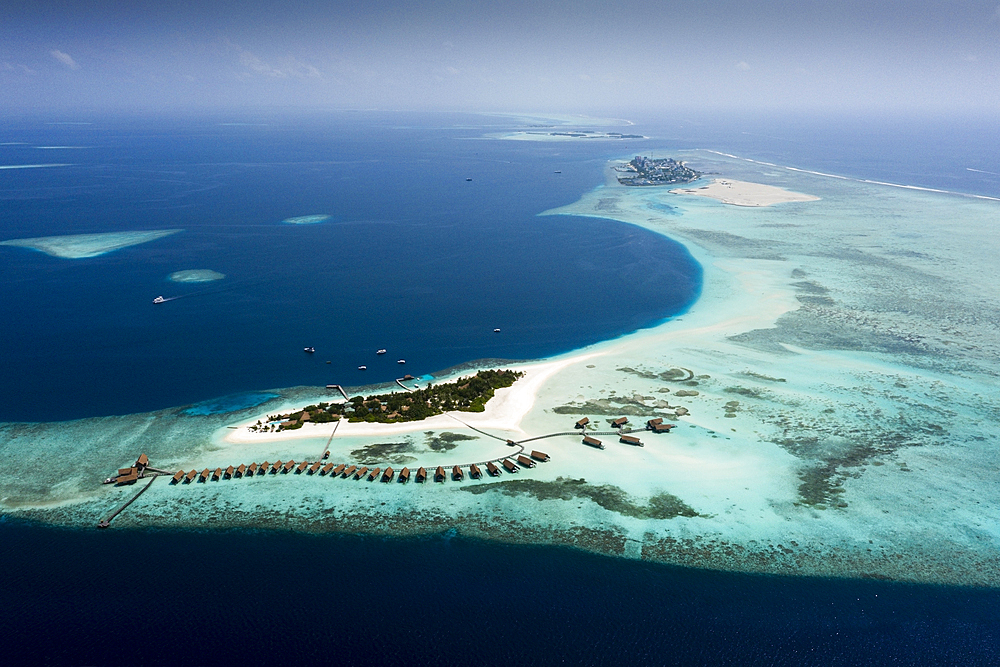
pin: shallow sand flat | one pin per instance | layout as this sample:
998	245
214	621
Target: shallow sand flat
840	421
742	193
196	276
307	219
80	246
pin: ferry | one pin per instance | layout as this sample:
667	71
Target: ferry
159	299
362	368
381	351
310	350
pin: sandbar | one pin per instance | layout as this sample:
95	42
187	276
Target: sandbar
306	219
196	276
742	193
80	246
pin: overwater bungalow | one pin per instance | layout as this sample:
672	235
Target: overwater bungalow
178	476
276	467
457	474
509	465
475	472
339	469
621	421
404	475
492	469
204	475
593	442
327	468
302	467
662	428
361	473
373	475
142	461
262	468
129	478
439	474
217	475
228	473
540	456
349	471
387	475
583	422
127	471
251	469
314	467
525	461
191	475
241	469
511	443
630	440
421	475
288	466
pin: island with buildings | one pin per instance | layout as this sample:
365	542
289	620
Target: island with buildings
656	171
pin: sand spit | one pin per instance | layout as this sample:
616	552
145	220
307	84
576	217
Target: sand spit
306	219
741	193
81	246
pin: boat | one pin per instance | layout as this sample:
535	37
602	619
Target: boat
558	172
362	368
310	350
496	331
468	179
382	351
159	299
401	361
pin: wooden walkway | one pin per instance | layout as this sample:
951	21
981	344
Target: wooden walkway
106	521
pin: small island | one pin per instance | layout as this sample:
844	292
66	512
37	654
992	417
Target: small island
660	171
468	394
306	219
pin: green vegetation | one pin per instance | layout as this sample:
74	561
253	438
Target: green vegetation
465	395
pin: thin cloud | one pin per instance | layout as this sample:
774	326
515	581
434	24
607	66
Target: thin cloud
64	58
743	66
289	67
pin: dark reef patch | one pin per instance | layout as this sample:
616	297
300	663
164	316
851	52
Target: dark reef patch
381	452
610	497
444	442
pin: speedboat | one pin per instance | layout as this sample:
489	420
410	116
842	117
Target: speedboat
382	351
159	299
310	350
496	331
401	361
362	368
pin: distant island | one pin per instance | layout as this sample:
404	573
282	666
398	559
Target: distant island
465	395
662	171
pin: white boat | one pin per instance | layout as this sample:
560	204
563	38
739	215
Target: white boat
401	361
310	350
496	331
159	299
362	368
382	351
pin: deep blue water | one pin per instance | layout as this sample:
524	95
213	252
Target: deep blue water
415	259
204	598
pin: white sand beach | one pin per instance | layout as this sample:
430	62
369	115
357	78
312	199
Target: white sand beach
742	193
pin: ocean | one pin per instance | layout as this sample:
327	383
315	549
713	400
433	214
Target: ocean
419	260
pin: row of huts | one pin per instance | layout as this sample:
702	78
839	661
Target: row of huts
345	471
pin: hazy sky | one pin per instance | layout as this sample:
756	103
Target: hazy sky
543	55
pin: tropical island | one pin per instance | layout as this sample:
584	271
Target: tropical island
465	395
661	171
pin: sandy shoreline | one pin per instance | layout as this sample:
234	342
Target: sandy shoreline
742	193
